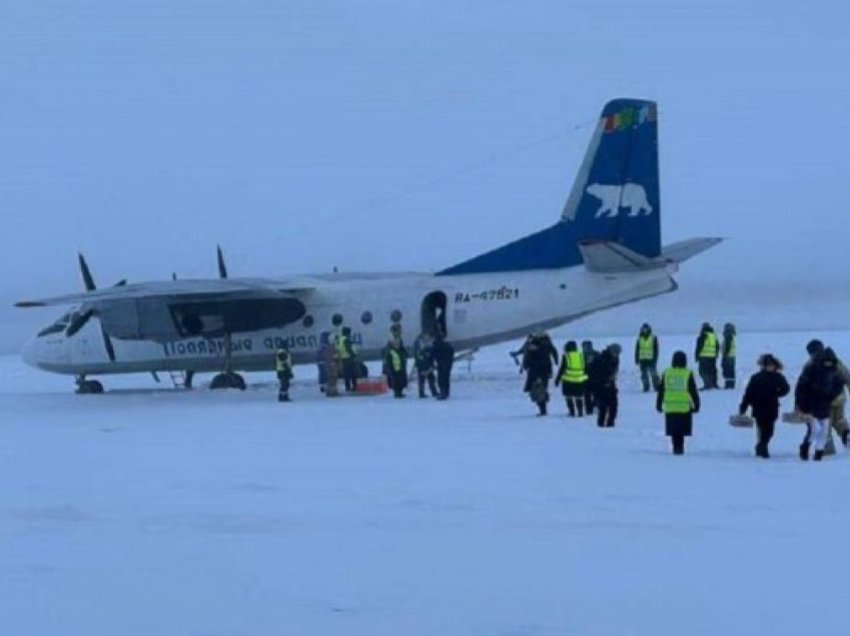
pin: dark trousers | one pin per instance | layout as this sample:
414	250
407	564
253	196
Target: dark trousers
649	375
589	400
575	405
765	426
423	377
607	403
678	444
349	374
444	380
727	366
708	372
283	388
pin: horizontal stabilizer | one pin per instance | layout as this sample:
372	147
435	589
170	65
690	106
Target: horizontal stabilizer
684	250
603	257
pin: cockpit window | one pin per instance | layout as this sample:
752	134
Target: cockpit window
60	325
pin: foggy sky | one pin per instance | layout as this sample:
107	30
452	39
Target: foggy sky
383	135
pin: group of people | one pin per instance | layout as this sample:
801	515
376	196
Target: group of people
433	358
588	378
588	381
339	358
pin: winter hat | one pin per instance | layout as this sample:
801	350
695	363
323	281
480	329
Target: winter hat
615	349
769	360
814	347
828	355
570	346
586	345
680	360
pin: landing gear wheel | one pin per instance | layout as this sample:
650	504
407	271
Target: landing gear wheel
228	380
89	387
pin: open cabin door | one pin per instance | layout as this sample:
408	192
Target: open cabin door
433	314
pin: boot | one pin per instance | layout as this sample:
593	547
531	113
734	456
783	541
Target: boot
829	449
844	436
804	451
818	455
571	408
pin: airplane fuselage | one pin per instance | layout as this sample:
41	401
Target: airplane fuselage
478	310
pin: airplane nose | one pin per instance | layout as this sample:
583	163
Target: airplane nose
31	352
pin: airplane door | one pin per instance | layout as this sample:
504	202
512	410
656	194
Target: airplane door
433	314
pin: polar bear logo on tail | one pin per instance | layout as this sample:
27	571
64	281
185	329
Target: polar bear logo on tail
614	197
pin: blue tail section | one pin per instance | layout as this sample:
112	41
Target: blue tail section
615	198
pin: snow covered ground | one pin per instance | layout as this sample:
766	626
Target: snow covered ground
148	511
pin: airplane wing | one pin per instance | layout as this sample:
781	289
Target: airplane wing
177	290
164	311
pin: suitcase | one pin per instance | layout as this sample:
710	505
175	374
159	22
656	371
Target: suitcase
741	421
793	417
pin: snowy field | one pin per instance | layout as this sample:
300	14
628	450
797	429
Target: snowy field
148	511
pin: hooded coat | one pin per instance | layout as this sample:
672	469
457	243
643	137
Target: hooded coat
820	383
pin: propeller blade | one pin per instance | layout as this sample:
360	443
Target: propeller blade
88	281
78	322
222	268
155	376
107	343
121	283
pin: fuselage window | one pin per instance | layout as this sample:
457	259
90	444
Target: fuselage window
308	321
336	320
395	316
366	318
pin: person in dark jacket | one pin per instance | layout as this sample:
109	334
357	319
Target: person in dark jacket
728	350
537	364
763	392
444	358
423	356
706	351
678	399
837	418
819	385
602	374
646	357
572	376
589	356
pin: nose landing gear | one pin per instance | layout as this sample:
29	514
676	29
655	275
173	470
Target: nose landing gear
228	379
88	387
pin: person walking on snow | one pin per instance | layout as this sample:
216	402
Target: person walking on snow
837	418
283	368
646	357
572	376
444	359
763	392
423	357
537	363
589	356
818	386
706	352
678	399
603	376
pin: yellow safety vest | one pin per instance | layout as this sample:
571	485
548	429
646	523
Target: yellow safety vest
677	398
395	359
342	348
574	371
709	346
646	348
282	362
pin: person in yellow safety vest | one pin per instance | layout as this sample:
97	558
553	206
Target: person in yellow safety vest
283	368
678	399
706	352
646	357
395	366
347	356
572	376
728	355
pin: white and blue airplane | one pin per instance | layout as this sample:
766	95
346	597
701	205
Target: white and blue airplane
605	250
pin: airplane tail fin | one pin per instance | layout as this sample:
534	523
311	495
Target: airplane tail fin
615	198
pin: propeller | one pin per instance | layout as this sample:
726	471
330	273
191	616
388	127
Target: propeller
222	268
80	320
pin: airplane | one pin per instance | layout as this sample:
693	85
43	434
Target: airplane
605	250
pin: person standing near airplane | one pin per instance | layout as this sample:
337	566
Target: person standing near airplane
678	399
706	352
423	356
347	356
646	357
395	366
283	367
444	358
589	356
